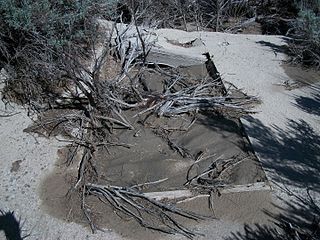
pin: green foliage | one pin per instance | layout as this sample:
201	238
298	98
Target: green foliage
39	39
306	46
309	23
57	21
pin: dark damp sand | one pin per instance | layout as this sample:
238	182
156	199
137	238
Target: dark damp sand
151	159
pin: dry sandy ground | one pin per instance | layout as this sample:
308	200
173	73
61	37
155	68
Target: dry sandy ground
289	151
285	131
287	121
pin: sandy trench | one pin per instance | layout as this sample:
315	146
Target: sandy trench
150	159
26	160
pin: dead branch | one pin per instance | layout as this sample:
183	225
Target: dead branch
199	98
138	186
185	153
183	95
9	114
200	157
137	206
211	176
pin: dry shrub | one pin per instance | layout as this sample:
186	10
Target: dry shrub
41	44
305	46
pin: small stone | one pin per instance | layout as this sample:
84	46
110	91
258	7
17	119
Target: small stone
15	166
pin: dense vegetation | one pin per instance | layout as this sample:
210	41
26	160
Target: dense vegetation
40	41
306	41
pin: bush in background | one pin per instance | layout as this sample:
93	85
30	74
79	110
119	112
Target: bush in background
306	44
40	41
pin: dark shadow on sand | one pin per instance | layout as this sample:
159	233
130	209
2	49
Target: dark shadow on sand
10	225
275	48
310	104
294	153
299	219
219	123
257	232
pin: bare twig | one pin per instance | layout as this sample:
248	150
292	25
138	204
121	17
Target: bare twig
133	203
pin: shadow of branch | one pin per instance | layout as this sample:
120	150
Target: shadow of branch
310	104
11	226
292	153
299	219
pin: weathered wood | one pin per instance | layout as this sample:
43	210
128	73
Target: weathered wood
170	195
259	186
214	74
